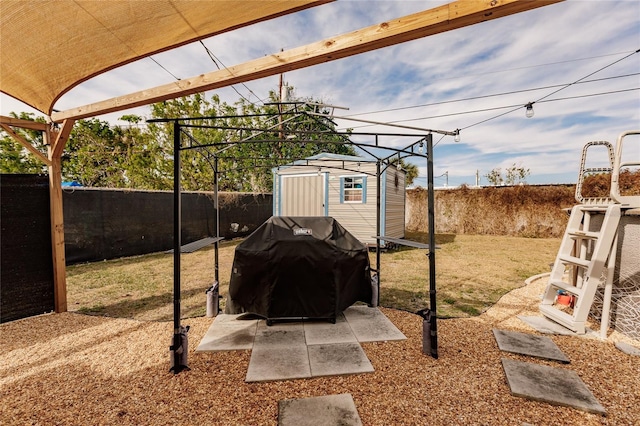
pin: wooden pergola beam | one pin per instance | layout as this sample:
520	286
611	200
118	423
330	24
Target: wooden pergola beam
24	124
25	143
448	17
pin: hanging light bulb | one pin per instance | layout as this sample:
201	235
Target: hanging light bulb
529	112
421	147
456	137
358	166
319	171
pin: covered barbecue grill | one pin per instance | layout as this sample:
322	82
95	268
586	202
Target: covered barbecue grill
299	267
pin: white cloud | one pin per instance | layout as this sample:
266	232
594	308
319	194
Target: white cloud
549	46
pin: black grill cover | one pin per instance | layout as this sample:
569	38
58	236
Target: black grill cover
299	267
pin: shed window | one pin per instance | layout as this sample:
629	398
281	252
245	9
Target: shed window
353	189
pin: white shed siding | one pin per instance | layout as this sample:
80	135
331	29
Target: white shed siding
394	195
358	218
302	195
279	209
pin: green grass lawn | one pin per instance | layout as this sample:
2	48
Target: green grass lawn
472	273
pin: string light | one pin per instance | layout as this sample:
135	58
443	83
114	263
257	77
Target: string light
456	137
529	110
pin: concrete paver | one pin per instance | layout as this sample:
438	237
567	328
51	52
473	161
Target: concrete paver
279	335
318	332
557	386
337	359
278	363
545	325
529	344
227	333
628	349
328	410
371	325
292	350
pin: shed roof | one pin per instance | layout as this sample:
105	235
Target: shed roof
341	157
48	47
324	156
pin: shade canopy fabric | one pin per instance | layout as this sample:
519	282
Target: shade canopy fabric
299	267
48	47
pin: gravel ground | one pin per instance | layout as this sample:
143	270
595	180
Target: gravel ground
72	369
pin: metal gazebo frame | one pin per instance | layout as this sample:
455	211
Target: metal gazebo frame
179	347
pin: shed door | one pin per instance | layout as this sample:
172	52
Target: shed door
302	195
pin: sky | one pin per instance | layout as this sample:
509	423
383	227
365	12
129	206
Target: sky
576	61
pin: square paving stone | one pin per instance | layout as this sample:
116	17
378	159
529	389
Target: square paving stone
319	332
529	344
556	386
338	358
329	410
628	349
286	334
233	320
227	333
371	325
545	325
278	363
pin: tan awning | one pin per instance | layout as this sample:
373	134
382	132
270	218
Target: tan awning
48	47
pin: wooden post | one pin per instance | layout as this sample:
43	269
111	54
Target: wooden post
56	142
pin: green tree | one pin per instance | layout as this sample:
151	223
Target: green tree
147	165
410	170
249	146
196	164
15	158
95	155
495	177
514	175
140	155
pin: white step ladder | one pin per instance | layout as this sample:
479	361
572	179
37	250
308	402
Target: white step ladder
587	255
582	264
582	261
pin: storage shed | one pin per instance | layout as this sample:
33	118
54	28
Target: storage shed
345	188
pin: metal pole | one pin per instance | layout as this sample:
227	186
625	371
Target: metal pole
179	344
378	216
217	208
433	328
177	217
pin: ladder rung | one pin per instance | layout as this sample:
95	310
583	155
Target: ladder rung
584	234
567	287
598	170
594	208
562	318
575	261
